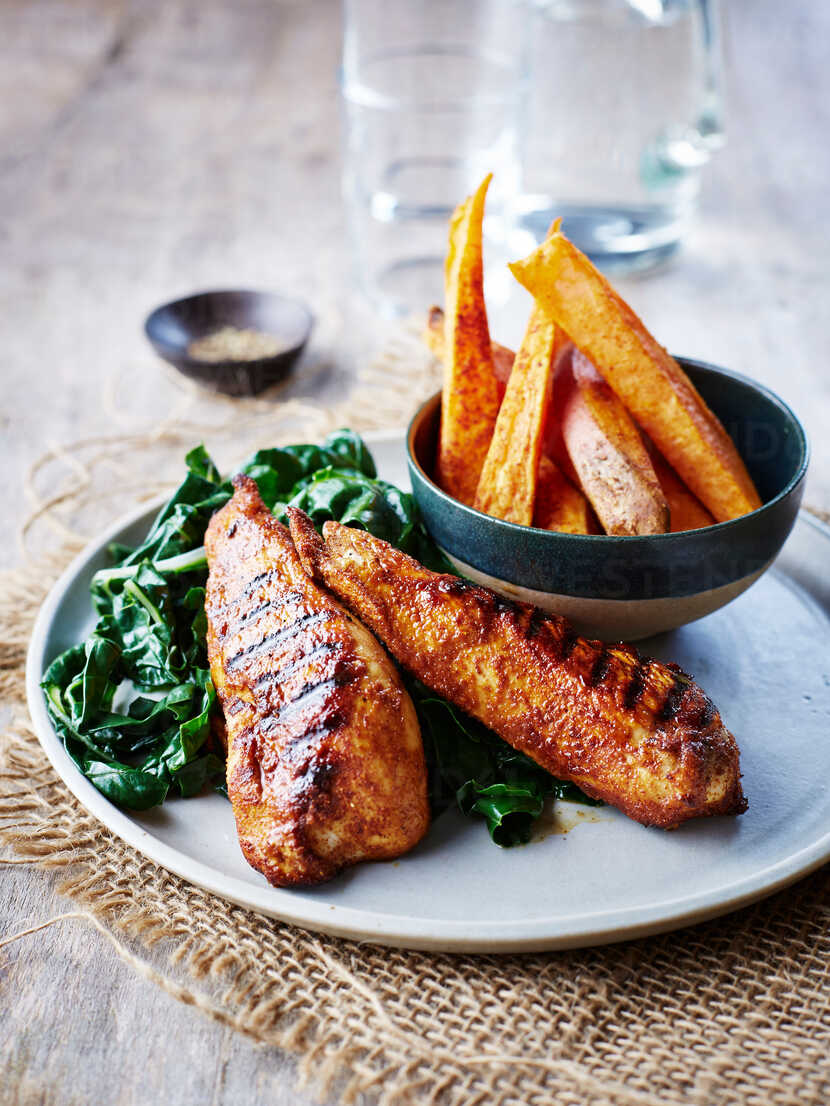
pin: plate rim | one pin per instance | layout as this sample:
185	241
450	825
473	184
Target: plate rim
446	935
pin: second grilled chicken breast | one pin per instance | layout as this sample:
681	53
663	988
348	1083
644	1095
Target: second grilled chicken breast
632	731
325	760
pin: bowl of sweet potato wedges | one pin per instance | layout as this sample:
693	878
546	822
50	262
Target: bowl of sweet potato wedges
590	472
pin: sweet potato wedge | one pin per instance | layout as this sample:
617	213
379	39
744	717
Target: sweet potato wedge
650	383
559	505
686	510
433	336
470	398
503	357
507	485
608	454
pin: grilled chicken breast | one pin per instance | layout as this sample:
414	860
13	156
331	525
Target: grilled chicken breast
632	731
325	760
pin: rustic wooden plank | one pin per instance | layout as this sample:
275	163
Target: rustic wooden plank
80	1027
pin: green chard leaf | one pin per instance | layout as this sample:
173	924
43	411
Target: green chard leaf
351	498
198	774
509	809
139	622
102	656
351	451
180	525
134	788
193	732
279	472
200	463
276	471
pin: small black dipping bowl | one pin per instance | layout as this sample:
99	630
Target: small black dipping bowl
631	587
173	326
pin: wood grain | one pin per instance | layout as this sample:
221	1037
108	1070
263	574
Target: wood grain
150	148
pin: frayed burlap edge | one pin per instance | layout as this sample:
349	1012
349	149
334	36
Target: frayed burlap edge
735	1011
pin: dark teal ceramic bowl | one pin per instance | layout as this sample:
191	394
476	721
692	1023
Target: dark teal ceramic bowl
630	587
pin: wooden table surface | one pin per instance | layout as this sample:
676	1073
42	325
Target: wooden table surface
148	148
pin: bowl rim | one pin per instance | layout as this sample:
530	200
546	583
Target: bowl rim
180	351
626	540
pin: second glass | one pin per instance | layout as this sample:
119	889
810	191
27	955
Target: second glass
433	95
625	111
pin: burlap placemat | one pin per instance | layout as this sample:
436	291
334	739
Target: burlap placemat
736	1011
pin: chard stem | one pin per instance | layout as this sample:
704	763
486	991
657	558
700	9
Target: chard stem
141	598
182	562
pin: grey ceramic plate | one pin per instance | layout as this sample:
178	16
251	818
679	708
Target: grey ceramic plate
765	659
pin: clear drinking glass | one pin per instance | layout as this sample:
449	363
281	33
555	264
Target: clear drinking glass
625	111
433	94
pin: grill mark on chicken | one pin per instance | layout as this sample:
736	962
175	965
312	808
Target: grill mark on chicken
301	699
246	616
251	614
636	684
706	713
305	622
316	727
674	698
569	641
277	675
601	666
319	775
298	744
260	580
536	623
